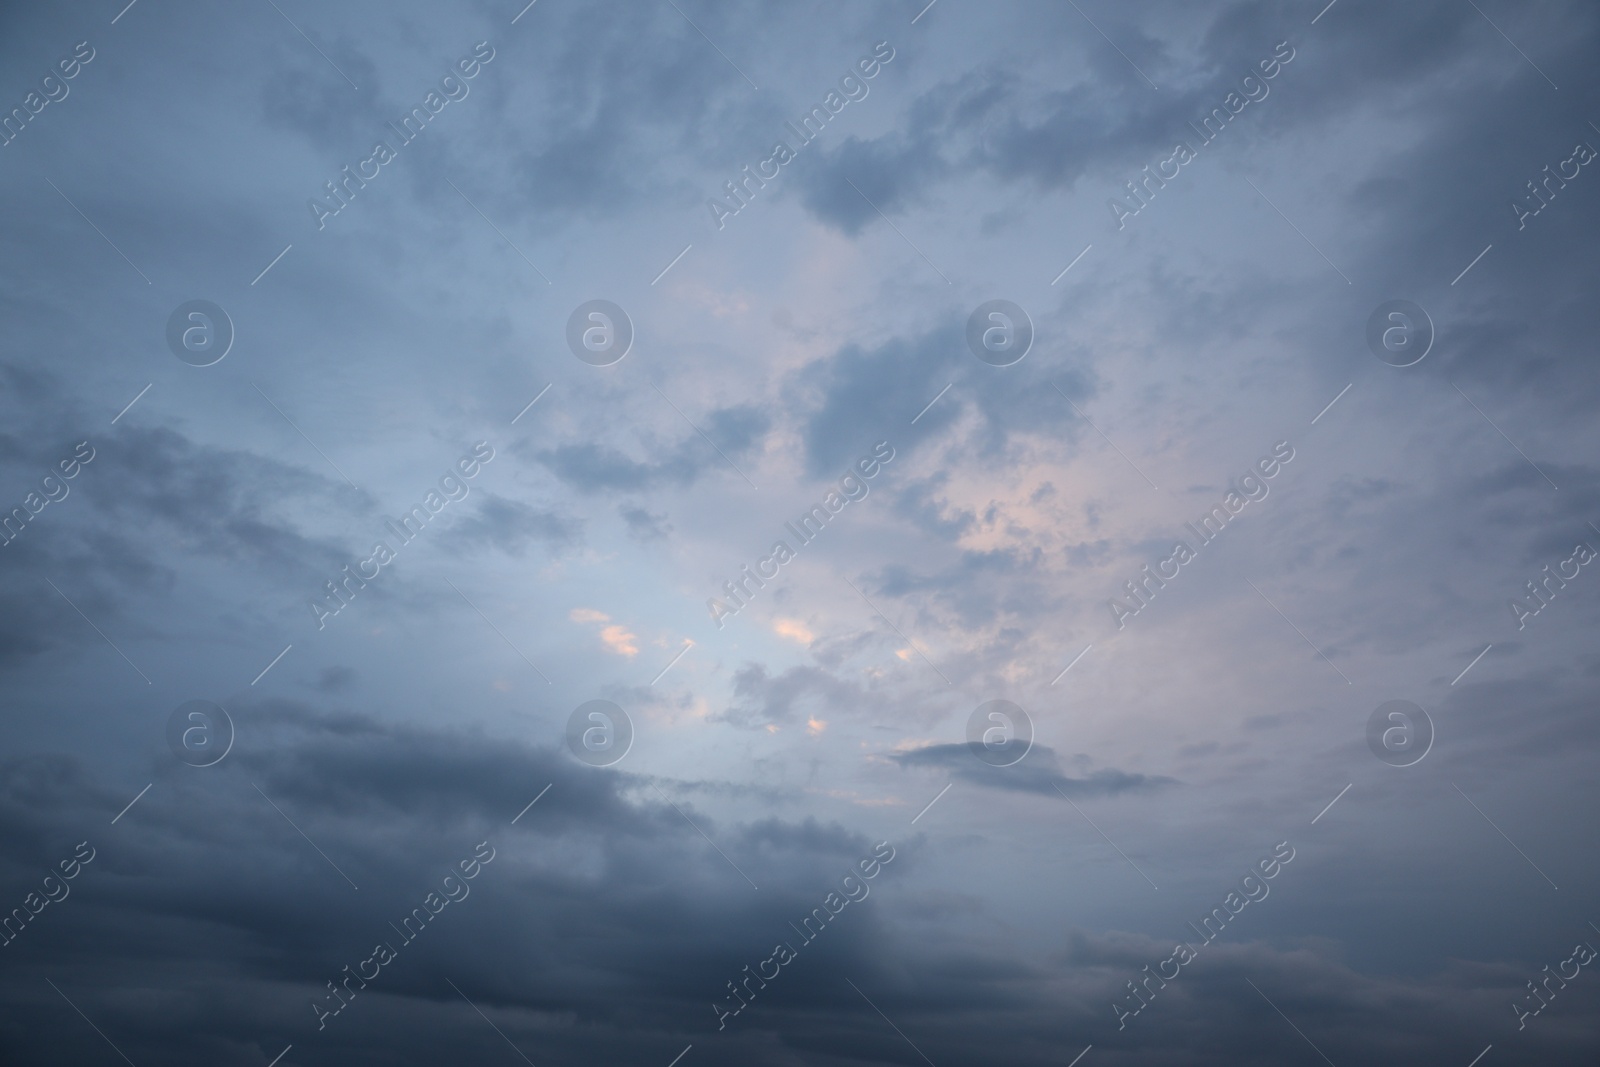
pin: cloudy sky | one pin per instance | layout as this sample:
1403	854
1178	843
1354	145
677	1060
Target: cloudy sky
332	499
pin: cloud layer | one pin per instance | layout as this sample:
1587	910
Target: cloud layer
1205	215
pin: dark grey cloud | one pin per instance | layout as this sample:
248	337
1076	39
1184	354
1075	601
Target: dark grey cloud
593	468
1038	772
198	493
848	185
336	680
511	526
643	524
185	870
561	927
854	395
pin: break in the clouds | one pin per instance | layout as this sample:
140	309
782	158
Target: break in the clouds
576	312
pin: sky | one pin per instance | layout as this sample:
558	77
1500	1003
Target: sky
849	534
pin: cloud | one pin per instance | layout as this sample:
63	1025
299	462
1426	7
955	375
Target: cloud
593	468
336	680
620	641
848	395
617	909
616	638
192	891
846	186
644	525
1038	772
511	526
762	700
794	630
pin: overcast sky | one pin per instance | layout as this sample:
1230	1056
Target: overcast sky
395	380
